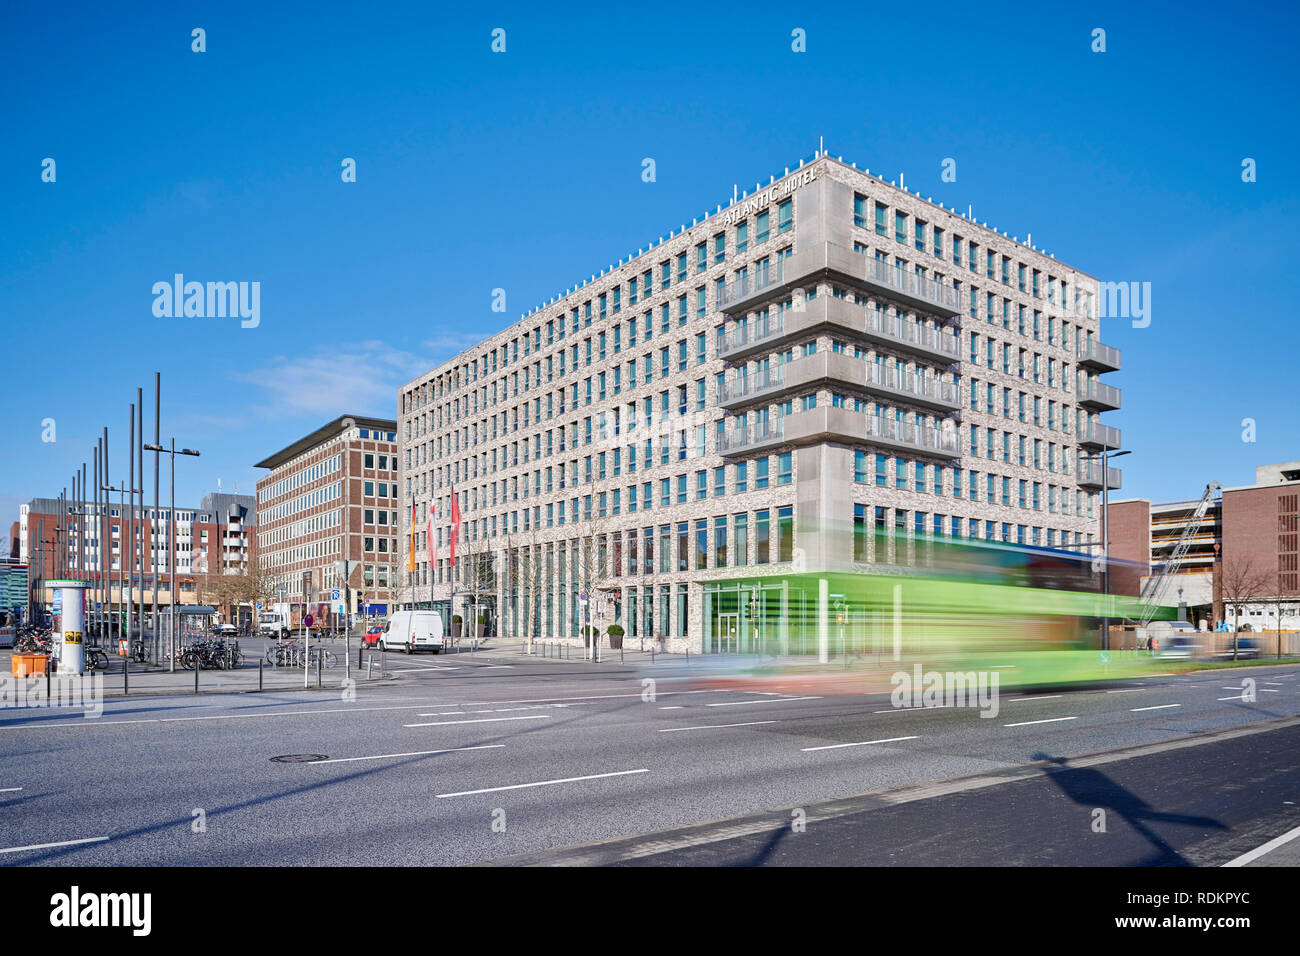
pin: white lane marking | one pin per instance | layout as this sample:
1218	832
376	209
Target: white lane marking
96	722
662	693
481	720
1156	707
491	710
413	753
1125	690
1268	847
748	723
861	743
1238	697
673	707
1049	720
1012	700
904	710
541	783
46	846
424	667
770	700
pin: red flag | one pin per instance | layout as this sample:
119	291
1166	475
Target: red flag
410	556
431	533
455	524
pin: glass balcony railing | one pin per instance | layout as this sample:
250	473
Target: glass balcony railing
1095	433
1094	392
754	385
921	438
1093	352
830	257
922	387
738	439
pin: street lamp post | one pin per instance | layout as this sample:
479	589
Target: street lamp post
171	544
127	596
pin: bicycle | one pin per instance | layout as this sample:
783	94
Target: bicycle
96	659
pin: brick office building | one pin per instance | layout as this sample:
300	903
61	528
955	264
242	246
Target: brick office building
332	495
1249	528
212	538
740	406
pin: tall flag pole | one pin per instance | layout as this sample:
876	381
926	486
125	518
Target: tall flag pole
431	534
455	523
410	557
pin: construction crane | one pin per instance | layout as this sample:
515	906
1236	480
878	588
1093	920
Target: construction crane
1147	611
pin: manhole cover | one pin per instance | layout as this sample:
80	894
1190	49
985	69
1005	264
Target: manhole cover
300	758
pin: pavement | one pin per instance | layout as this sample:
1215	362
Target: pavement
491	756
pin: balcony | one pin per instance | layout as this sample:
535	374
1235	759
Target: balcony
1097	435
1097	355
840	317
1098	394
753	437
836	370
1090	476
828	259
842	426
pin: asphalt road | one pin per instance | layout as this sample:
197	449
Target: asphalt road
491	757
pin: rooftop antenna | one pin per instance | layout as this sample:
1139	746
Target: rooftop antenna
821	145
900	183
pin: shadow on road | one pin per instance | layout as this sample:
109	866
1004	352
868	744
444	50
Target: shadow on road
1089	787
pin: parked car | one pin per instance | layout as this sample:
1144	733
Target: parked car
372	635
226	631
413	631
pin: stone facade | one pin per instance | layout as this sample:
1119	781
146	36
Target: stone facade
787	341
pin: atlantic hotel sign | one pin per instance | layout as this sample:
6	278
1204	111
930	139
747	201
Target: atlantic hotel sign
763	198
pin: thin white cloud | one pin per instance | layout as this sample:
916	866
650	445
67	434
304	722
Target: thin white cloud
361	377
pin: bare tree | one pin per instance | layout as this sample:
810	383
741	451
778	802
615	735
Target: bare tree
592	561
1242	584
475	575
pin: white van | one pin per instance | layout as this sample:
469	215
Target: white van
413	631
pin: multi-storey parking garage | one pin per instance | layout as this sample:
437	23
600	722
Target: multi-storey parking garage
812	379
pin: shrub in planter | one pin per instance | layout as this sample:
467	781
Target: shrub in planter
482	624
589	631
615	633
456	621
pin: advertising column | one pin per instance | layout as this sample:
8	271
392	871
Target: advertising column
70	625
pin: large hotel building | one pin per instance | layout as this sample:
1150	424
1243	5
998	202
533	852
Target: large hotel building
804	383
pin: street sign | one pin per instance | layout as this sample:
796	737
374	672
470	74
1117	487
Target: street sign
308	621
334	594
582	597
259	605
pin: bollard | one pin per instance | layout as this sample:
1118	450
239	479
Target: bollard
620	653
360	651
652	655
197	665
319	659
126	676
48	660
370	668
260	662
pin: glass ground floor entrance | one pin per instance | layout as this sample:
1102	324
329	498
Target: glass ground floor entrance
782	616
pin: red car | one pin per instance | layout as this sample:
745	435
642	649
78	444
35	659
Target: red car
372	635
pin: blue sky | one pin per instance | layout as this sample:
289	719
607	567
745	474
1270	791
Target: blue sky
522	171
